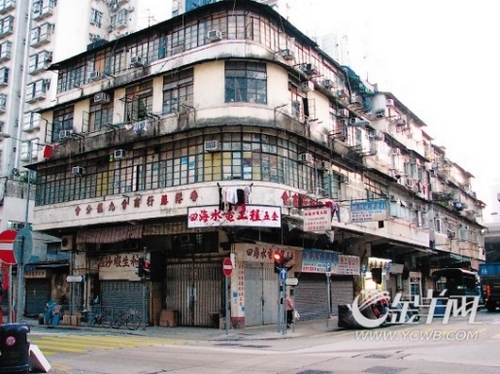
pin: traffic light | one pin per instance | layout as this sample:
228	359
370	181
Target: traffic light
280	262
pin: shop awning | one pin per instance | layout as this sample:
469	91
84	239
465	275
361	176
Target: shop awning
7	239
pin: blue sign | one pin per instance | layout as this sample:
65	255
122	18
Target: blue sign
328	267
283	274
369	210
363	269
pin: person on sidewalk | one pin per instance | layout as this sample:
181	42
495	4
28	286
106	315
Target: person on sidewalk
289	311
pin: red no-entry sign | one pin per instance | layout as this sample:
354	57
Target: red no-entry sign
227	267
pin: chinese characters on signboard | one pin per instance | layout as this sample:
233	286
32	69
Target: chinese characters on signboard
136	202
365	211
253	215
318	261
317	219
348	265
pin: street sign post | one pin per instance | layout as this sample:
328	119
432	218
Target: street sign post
227	269
283	274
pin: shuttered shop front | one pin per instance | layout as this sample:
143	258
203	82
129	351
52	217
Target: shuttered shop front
311	296
261	294
342	291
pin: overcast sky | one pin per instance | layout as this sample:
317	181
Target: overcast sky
440	58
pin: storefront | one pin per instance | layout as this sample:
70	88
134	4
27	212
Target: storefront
376	275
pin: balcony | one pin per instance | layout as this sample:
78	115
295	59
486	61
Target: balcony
37	96
7	6
41	12
38	41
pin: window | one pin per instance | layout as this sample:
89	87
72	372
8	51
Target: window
177	91
5	5
96	17
138	101
4	76
63	120
31	121
29	150
6	25
5	48
39	61
3	102
246	82
41	34
101	114
36	90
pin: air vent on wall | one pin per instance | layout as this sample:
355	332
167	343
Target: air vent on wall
66	242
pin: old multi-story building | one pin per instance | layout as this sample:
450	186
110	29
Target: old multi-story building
226	132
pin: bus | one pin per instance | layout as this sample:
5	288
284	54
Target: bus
456	282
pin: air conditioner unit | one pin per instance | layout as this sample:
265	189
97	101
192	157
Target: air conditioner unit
287	54
101	97
214	35
136	61
393	198
212	146
307	86
119	153
400	122
64	134
77	170
344	179
327	83
306	158
310	69
66	242
389	102
343	113
450	233
95	75
324	165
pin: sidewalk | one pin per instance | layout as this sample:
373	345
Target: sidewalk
265	332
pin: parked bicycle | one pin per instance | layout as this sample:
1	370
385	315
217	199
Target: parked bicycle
91	318
130	319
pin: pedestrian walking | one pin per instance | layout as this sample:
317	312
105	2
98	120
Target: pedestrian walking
289	311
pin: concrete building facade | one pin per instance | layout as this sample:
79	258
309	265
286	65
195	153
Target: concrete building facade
226	132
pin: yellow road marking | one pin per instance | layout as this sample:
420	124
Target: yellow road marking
81	344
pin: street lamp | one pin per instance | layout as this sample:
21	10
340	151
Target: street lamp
20	260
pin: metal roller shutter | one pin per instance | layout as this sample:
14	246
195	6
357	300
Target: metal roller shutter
311	296
37	296
342	291
195	291
124	295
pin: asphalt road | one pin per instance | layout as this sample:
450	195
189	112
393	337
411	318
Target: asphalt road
314	348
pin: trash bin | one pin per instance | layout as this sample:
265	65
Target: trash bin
14	348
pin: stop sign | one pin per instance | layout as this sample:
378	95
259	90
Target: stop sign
227	267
